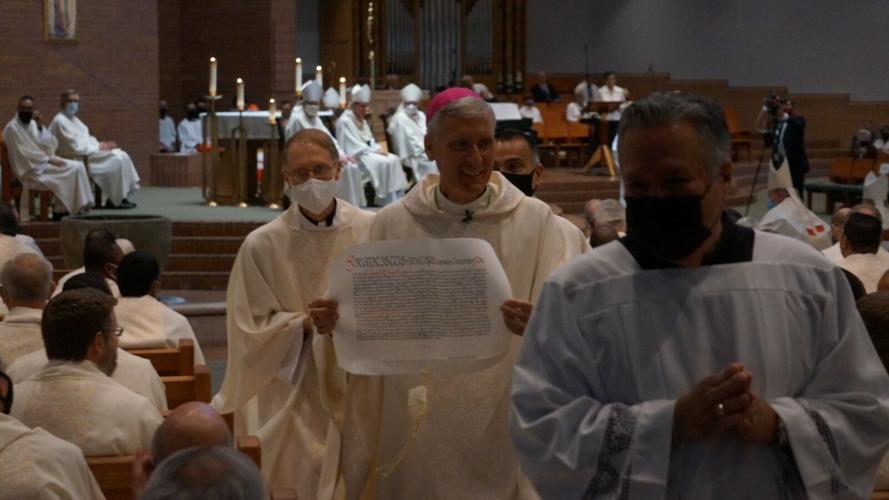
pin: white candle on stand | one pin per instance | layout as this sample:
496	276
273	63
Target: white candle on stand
240	102
212	77
298	77
318	77
272	111
342	92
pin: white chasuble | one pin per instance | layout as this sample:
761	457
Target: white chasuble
455	444
408	134
384	169
76	402
612	345
36	465
113	171
29	153
274	381
148	323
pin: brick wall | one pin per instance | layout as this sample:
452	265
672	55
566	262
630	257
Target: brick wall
113	64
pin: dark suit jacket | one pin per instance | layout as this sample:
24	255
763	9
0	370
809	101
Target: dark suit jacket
544	95
795	149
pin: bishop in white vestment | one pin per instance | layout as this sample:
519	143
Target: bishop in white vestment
109	167
36	465
356	139
407	129
790	216
32	155
274	380
460	447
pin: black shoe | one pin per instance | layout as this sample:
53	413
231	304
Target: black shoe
124	204
57	216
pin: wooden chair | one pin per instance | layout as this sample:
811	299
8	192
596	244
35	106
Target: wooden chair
13	190
851	170
184	388
115	474
740	138
168	361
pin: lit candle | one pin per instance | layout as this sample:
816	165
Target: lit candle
212	77
240	95
299	76
318	77
342	92
272	111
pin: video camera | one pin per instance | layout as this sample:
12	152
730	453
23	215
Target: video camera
773	104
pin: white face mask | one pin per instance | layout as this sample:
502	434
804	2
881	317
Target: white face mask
311	110
410	109
314	195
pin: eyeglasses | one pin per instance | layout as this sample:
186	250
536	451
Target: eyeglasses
117	332
318	172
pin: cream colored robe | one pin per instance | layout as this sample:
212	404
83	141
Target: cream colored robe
36	465
80	404
29	153
113	170
462	448
408	134
191	134
384	169
135	373
868	267
272	381
792	218
147	323
115	290
350	187
20	334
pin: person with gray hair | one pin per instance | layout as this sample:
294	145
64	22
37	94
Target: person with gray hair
27	285
453	455
695	344
198	473
835	253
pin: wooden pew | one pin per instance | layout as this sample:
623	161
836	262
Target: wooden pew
115	474
170	360
851	170
184	388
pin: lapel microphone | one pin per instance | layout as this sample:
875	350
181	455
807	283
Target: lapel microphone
468	218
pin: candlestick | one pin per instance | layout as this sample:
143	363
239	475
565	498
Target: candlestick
298	77
240	102
342	92
319	77
272	111
212	77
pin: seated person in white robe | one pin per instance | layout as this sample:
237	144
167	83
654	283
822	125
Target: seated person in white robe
272	382
36	465
133	372
27	283
479	88
461	447
575	110
219	472
588	90
530	110
73	396
696	358
350	187
356	139
109	166
146	322
518	160
190	424
101	256
874	309
32	157
191	130
166	129
860	245
9	225
407	129
874	191
788	215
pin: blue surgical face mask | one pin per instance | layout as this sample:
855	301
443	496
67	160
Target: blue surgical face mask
770	204
71	108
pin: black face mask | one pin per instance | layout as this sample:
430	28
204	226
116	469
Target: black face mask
163	112
525	182
670	228
25	116
191	114
7	400
885	137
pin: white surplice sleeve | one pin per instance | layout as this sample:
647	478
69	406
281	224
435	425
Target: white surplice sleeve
569	443
837	424
350	139
72	138
263	338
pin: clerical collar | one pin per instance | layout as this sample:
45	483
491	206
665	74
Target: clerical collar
467	210
734	246
306	222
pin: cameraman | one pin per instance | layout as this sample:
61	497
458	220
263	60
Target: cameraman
791	134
